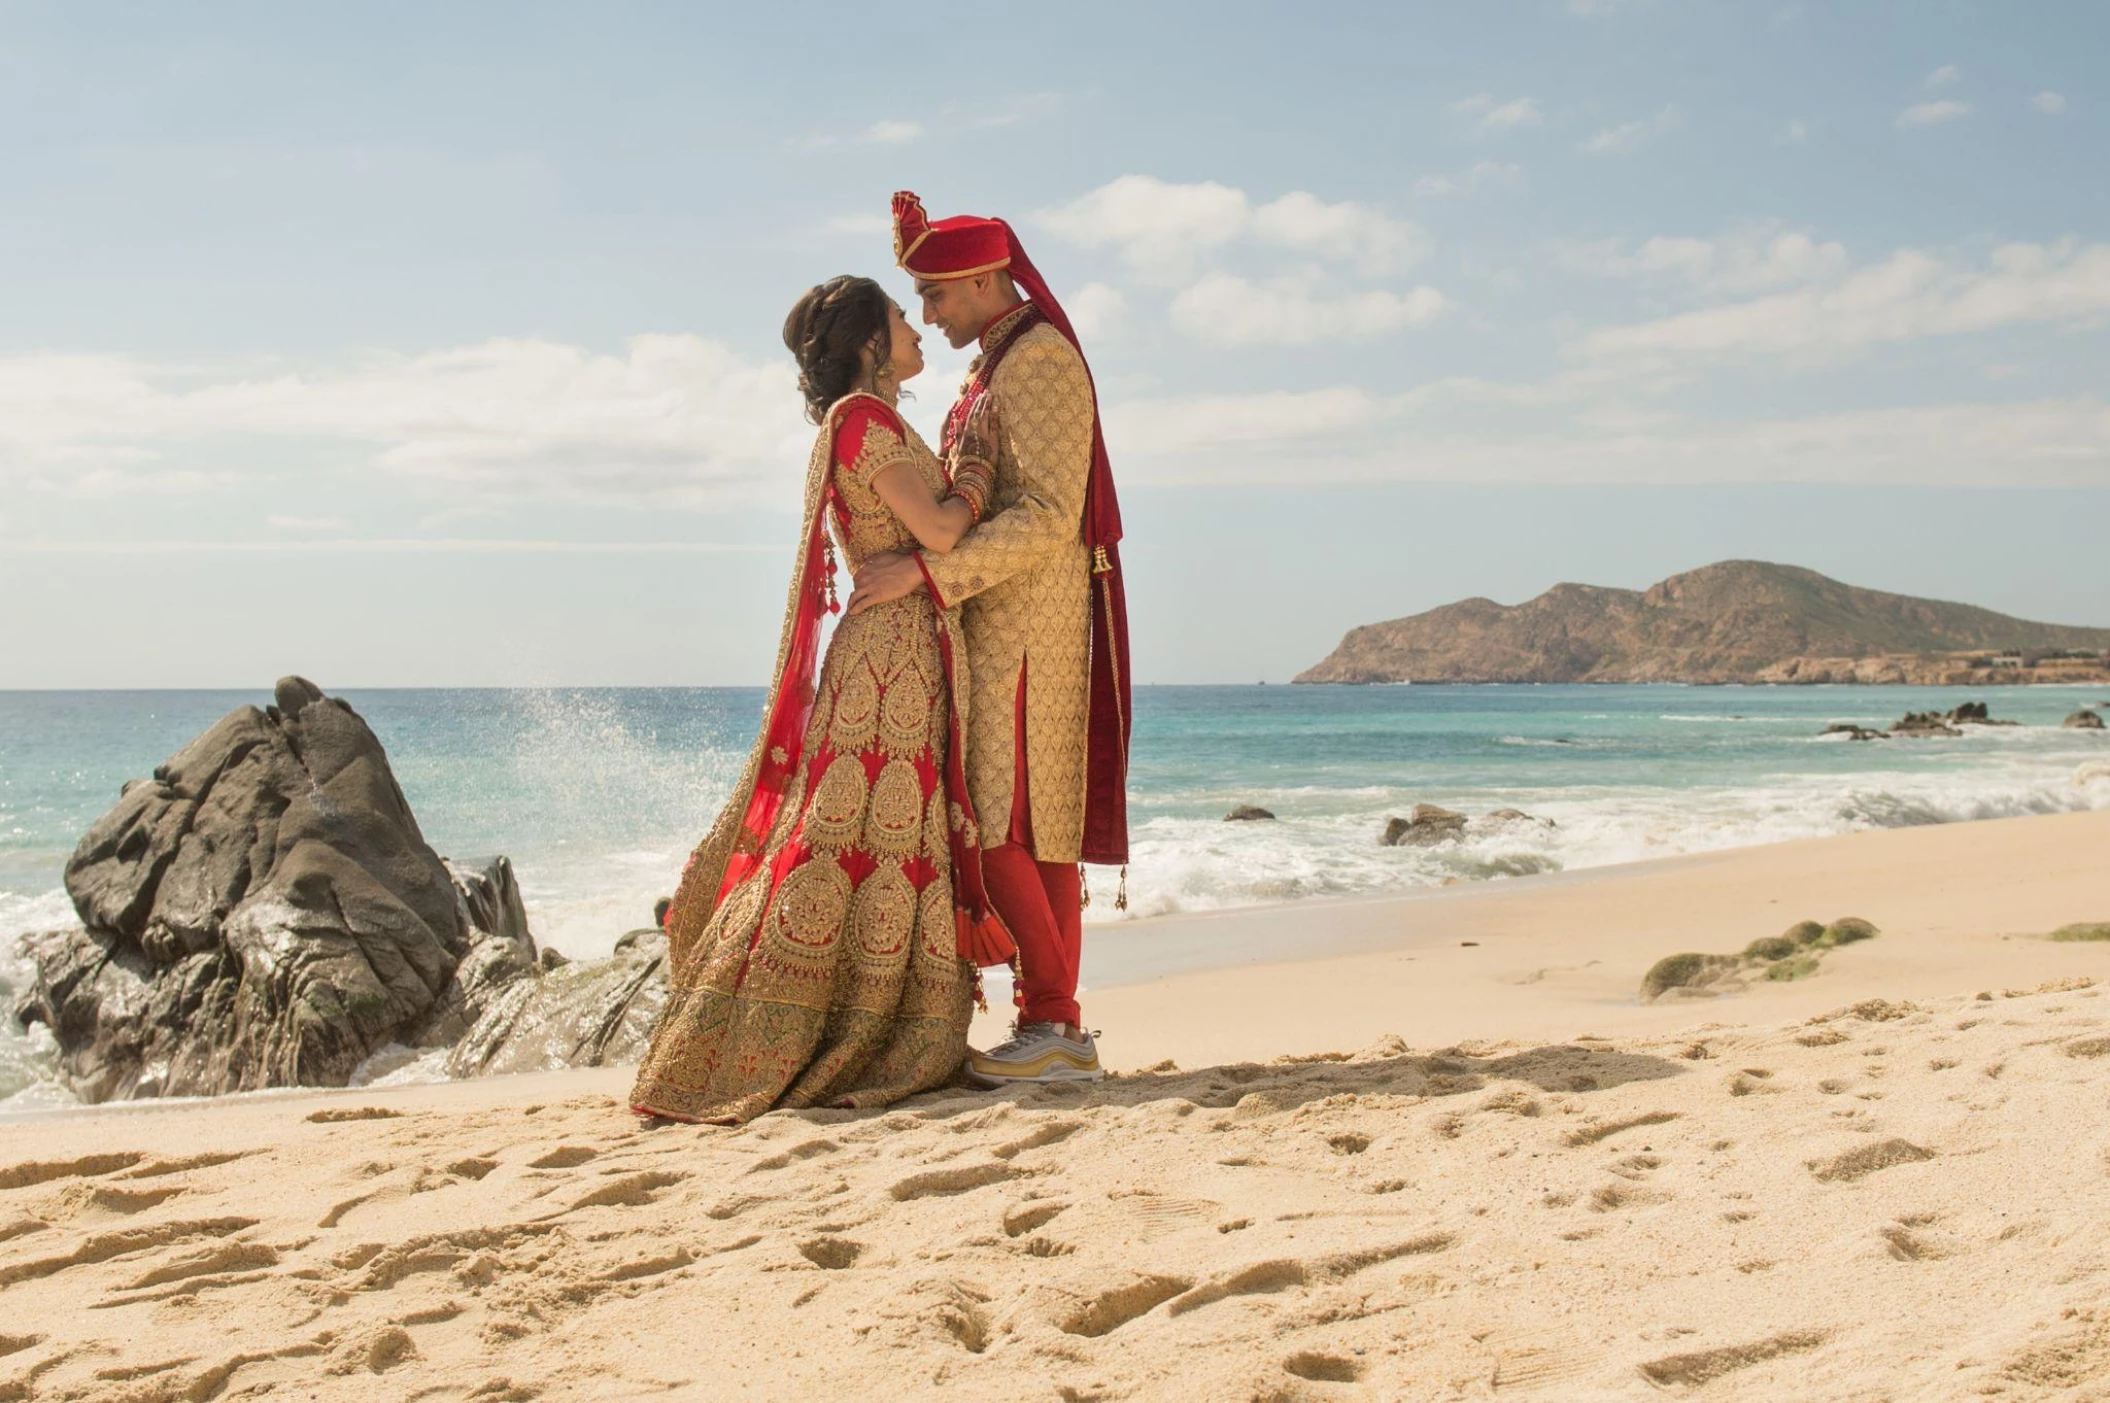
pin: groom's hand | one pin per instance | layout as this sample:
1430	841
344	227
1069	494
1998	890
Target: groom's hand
881	579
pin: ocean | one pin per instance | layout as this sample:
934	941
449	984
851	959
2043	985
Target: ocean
597	794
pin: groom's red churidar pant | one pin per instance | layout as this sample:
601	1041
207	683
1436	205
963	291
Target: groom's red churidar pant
1039	902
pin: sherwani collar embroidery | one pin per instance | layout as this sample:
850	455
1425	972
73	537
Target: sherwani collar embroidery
1000	329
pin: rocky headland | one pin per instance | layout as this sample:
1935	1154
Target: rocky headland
1740	621
264	912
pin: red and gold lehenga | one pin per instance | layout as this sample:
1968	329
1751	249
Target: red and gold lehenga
824	940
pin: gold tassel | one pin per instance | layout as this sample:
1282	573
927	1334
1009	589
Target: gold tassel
1084	889
1121	896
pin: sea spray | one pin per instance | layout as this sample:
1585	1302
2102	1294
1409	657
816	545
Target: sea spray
28	1056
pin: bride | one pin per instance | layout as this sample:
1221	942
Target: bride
824	940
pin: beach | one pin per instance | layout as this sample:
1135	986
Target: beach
1441	1152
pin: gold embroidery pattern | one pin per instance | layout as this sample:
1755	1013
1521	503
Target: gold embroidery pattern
895	828
794	808
837	812
885	919
934	829
937	943
882	448
806	918
856	721
830	990
1021	581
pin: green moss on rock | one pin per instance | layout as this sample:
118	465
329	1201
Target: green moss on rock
1683	971
1804	932
1846	930
1771	947
1794	967
2084	930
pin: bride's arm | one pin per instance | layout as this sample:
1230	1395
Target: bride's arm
937	525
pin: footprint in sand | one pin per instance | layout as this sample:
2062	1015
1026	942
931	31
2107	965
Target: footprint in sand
1859	1163
23	1176
564	1157
1324	1368
962	1179
831	1253
1704	1366
1028	1217
1605	1130
124	1242
1110	1310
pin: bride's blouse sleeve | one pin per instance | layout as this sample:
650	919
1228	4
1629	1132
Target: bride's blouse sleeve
868	437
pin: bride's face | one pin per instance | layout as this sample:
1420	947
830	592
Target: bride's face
905	344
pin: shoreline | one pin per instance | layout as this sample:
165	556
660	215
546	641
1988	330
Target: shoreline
1551	955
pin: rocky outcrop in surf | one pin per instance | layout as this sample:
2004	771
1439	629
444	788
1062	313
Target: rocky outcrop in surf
264	912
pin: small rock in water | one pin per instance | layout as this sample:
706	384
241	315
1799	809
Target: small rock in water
2084	721
1519	816
1924	723
1853	732
1246	813
1427	827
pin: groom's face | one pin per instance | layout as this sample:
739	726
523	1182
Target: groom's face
958	307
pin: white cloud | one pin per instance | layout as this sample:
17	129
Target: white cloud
1944	76
1928	114
893	132
1908	296
674	418
1157	225
1748	260
1162	228
1346	435
2049	103
1481	175
1795	133
305	523
1233	311
1096	309
1631	136
1346	231
1197	423
1494	116
1524	112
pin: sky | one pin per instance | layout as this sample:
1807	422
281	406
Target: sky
433	345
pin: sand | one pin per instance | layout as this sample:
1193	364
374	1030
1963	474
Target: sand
1489	1172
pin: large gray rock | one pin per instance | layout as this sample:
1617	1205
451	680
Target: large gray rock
265	912
589	1014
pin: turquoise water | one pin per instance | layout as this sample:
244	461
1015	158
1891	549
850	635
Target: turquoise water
597	794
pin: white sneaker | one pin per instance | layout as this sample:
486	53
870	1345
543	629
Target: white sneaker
1037	1052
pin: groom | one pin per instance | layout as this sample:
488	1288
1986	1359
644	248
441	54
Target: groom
1038	584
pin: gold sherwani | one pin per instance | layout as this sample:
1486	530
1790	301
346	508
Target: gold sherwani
1022	581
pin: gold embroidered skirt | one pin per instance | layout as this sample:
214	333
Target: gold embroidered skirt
831	976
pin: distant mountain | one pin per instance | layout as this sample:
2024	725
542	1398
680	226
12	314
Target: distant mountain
1738	621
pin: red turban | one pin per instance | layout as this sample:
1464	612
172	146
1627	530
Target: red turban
960	247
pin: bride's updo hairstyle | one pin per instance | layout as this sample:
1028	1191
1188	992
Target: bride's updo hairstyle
828	331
